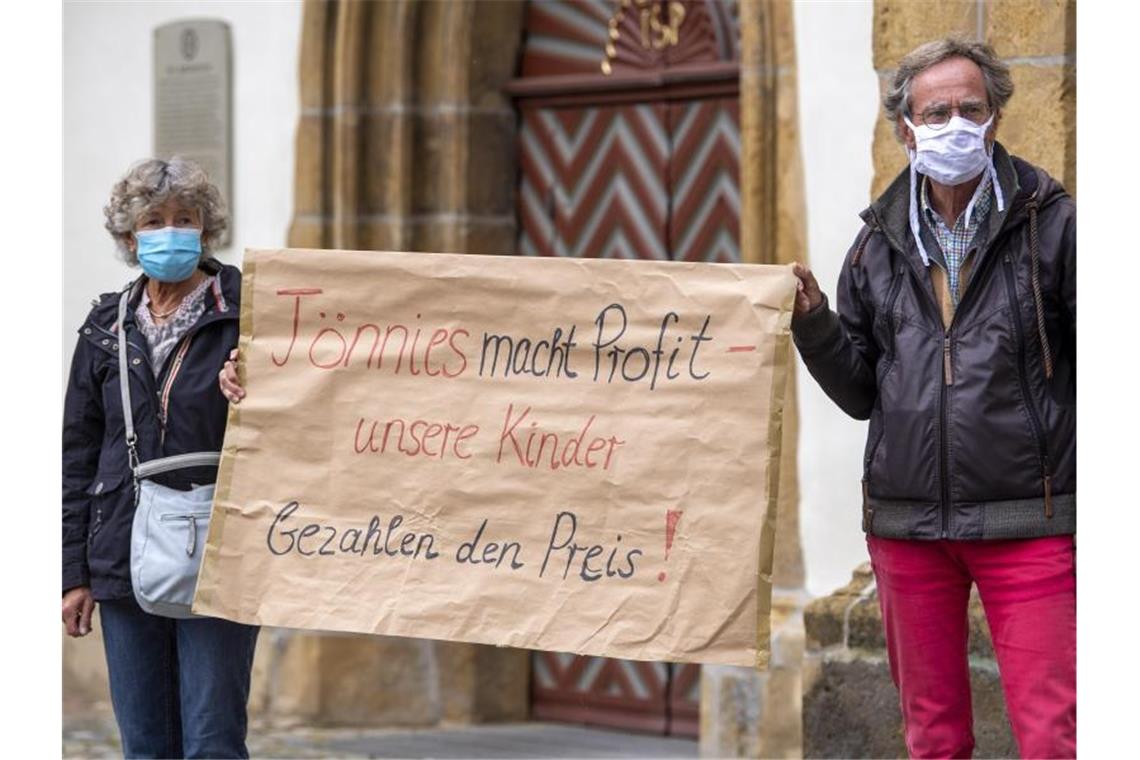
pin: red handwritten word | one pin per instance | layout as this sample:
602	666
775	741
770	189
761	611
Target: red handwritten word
332	348
552	451
415	438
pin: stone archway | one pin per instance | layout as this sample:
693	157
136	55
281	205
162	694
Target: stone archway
405	140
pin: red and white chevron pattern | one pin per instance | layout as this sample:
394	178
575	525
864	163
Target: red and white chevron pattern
704	181
649	696
650	181
593	182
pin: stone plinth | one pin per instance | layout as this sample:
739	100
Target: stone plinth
751	713
314	679
850	704
334	679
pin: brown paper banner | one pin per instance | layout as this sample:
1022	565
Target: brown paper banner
562	454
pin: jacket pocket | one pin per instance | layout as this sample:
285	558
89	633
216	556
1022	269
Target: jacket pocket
890	325
874	438
1031	409
104	490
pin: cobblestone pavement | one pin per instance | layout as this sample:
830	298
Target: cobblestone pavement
98	738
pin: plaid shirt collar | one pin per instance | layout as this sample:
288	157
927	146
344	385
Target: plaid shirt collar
955	242
969	220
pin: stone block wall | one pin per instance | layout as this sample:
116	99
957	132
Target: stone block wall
1036	38
310	678
751	713
850	704
405	143
334	679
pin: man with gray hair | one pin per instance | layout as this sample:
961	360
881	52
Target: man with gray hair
956	337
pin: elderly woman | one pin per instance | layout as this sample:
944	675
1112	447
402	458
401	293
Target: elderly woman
178	685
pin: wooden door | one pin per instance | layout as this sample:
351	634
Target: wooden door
629	147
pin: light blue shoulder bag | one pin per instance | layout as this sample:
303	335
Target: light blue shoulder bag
169	530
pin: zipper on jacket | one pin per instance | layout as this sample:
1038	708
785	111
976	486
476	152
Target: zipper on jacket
1022	378
944	453
868	515
95	526
948	381
892	297
867	511
171	373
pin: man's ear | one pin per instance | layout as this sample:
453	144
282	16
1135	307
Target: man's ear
905	133
991	133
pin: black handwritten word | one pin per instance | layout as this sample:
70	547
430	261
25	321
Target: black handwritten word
415	438
635	363
526	357
316	539
567	522
552	451
492	553
332	348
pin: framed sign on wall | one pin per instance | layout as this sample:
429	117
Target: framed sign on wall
192	98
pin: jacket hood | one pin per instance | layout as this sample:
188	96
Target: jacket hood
1020	181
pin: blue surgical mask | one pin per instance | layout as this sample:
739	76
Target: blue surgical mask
170	254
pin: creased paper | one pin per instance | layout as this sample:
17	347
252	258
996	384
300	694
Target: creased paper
561	454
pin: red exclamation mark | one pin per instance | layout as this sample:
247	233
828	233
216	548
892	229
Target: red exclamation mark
672	517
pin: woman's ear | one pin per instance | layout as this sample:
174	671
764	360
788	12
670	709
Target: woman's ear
132	242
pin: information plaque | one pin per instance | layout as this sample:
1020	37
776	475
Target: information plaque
192	69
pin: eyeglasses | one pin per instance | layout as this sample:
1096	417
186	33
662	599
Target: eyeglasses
938	116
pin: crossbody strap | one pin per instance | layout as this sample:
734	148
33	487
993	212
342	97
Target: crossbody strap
155	466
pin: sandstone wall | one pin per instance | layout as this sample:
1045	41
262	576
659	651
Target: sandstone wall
1037	38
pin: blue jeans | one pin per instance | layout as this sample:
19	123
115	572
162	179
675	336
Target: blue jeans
179	687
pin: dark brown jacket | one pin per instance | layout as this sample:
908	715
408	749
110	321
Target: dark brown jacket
972	411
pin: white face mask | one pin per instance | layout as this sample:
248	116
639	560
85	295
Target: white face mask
954	154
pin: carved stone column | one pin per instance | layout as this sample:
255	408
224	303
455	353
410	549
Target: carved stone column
745	713
405	143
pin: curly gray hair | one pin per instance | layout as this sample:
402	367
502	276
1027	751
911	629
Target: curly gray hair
152	182
999	84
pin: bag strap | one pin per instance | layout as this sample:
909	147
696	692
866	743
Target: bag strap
163	464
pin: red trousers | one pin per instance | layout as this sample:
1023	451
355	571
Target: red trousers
1028	589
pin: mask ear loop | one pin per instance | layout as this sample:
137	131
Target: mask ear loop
914	227
998	196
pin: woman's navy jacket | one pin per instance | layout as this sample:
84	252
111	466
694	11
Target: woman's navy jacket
178	409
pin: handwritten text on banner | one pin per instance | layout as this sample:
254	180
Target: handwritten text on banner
570	455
